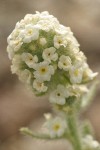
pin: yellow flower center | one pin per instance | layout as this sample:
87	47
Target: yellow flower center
56	127
30	32
43	70
76	72
59	41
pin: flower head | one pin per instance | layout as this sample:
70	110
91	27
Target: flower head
49	55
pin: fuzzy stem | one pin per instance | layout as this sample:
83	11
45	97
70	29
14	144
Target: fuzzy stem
74	132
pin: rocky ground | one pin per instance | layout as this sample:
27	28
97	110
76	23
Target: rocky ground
18	106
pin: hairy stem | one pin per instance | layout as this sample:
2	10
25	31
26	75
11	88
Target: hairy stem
74	132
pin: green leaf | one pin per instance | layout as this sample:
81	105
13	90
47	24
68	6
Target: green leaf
42	136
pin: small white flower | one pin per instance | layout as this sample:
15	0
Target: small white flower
29	59
59	41
13	35
25	76
16	44
71	39
43	71
79	59
30	33
49	54
90	143
45	25
10	52
58	96
76	74
56	127
43	41
64	62
30	18
62	30
20	25
39	86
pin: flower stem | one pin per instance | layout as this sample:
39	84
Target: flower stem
74	132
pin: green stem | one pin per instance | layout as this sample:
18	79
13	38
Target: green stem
74	132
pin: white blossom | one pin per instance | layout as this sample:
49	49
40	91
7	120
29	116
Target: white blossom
28	19
50	54
76	74
58	96
59	41
79	59
20	25
62	30
25	76
71	39
43	71
56	127
31	19
16	44
39	86
64	62
13	35
30	33
29	59
45	25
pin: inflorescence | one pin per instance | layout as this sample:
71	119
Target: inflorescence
46	56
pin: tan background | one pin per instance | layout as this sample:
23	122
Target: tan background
18	106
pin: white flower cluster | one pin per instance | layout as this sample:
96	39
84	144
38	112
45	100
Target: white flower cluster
56	127
90	143
46	55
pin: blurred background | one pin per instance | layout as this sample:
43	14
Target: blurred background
18	106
